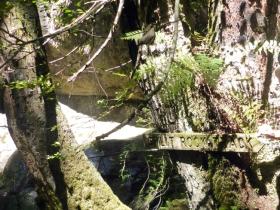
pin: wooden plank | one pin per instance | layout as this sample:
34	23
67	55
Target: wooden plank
203	142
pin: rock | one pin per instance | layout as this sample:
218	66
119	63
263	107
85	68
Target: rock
17	191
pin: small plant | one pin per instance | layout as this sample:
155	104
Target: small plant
124	173
248	112
145	69
144	119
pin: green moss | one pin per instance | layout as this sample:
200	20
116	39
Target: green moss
224	183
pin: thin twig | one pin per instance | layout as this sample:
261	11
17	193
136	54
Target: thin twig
89	34
161	193
148	177
122	124
120	66
58	59
99	83
118	15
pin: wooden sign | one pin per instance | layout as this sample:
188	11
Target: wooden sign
203	142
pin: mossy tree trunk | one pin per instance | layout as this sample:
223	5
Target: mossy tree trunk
65	177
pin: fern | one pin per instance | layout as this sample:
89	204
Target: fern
132	35
210	67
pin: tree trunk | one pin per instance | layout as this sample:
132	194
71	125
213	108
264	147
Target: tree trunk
65	177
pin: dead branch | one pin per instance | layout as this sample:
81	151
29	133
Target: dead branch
116	20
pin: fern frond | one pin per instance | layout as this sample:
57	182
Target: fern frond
132	35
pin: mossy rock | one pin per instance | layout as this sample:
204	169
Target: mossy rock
225	183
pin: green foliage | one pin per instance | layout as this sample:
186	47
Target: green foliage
145	69
102	103
144	119
132	35
175	197
71	12
157	180
56	144
210	67
56	155
47	87
184	70
124	173
248	111
182	75
43	81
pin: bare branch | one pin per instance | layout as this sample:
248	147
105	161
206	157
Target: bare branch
116	20
96	7
89	34
120	66
122	124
